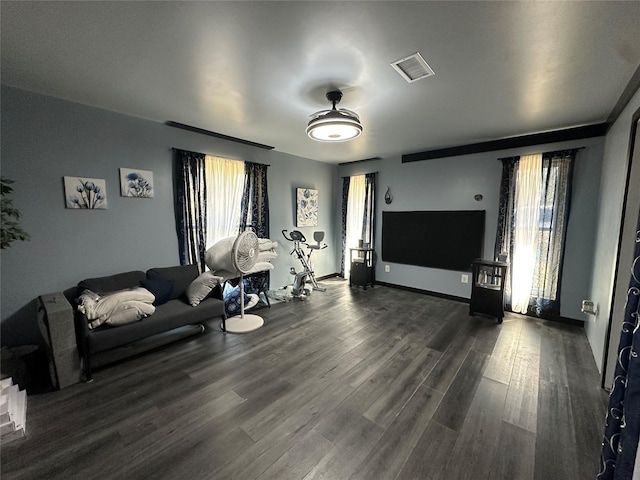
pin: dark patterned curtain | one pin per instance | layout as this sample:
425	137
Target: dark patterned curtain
622	426
255	215
345	198
255	199
191	207
506	220
555	197
368	223
557	172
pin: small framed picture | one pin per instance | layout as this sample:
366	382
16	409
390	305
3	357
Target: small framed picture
307	207
85	193
136	183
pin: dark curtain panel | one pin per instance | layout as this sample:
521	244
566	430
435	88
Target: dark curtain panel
506	220
557	173
345	198
191	207
622	425
255	199
368	223
255	215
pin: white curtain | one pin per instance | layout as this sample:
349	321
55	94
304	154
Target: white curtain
355	214
225	183
527	229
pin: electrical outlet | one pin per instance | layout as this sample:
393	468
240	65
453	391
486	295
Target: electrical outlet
464	278
589	307
387	268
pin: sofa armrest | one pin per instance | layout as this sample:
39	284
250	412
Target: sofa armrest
82	331
216	292
57	326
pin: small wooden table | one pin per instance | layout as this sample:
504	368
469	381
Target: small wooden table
362	271
487	288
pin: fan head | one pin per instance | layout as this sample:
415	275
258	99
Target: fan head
244	253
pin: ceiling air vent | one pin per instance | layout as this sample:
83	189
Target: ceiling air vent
413	68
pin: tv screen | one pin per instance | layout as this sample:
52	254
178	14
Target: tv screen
449	240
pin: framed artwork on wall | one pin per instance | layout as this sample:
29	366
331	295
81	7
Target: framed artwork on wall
85	193
307	207
136	183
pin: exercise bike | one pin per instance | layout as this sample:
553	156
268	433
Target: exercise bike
301	279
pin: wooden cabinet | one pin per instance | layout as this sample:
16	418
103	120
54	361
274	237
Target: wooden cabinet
362	270
487	288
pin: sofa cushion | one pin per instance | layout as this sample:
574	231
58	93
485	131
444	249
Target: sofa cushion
182	275
173	314
111	283
162	288
201	287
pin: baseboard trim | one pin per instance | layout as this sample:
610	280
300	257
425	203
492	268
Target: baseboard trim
565	320
326	277
424	292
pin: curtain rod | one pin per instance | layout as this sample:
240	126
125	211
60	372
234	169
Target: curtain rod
349	176
202	131
214	155
546	153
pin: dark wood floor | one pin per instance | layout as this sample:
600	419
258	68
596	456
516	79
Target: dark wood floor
351	384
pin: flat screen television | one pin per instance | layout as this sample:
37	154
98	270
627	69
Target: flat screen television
449	240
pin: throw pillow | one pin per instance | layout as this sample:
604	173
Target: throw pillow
182	275
201	287
232	300
160	287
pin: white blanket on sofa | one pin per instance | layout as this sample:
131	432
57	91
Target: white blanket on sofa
116	308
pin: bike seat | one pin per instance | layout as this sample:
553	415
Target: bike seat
318	237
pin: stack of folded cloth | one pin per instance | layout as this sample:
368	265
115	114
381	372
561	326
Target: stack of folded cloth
216	257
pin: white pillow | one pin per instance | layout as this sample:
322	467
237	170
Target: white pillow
201	287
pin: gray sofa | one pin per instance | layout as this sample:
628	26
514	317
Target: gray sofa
175	313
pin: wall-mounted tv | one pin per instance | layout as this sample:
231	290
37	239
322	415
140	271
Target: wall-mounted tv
449	240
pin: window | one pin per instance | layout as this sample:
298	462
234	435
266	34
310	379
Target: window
534	206
358	214
225	184
355	214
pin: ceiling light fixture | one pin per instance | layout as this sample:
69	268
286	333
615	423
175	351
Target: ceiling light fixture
335	125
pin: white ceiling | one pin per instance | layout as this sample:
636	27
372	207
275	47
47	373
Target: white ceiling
257	70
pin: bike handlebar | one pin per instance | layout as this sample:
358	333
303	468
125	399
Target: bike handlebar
295	235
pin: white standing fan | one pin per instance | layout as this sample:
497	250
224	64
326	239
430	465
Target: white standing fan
244	254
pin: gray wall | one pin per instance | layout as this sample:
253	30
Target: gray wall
44	139
451	183
612	183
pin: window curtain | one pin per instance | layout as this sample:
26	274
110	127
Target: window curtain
359	203
622	425
535	194
346	181
527	213
255	199
224	180
355	217
368	226
557	174
255	215
191	207
216	198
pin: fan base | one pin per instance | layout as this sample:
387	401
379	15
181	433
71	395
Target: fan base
248	323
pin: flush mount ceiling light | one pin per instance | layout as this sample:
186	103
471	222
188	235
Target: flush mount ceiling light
335	125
